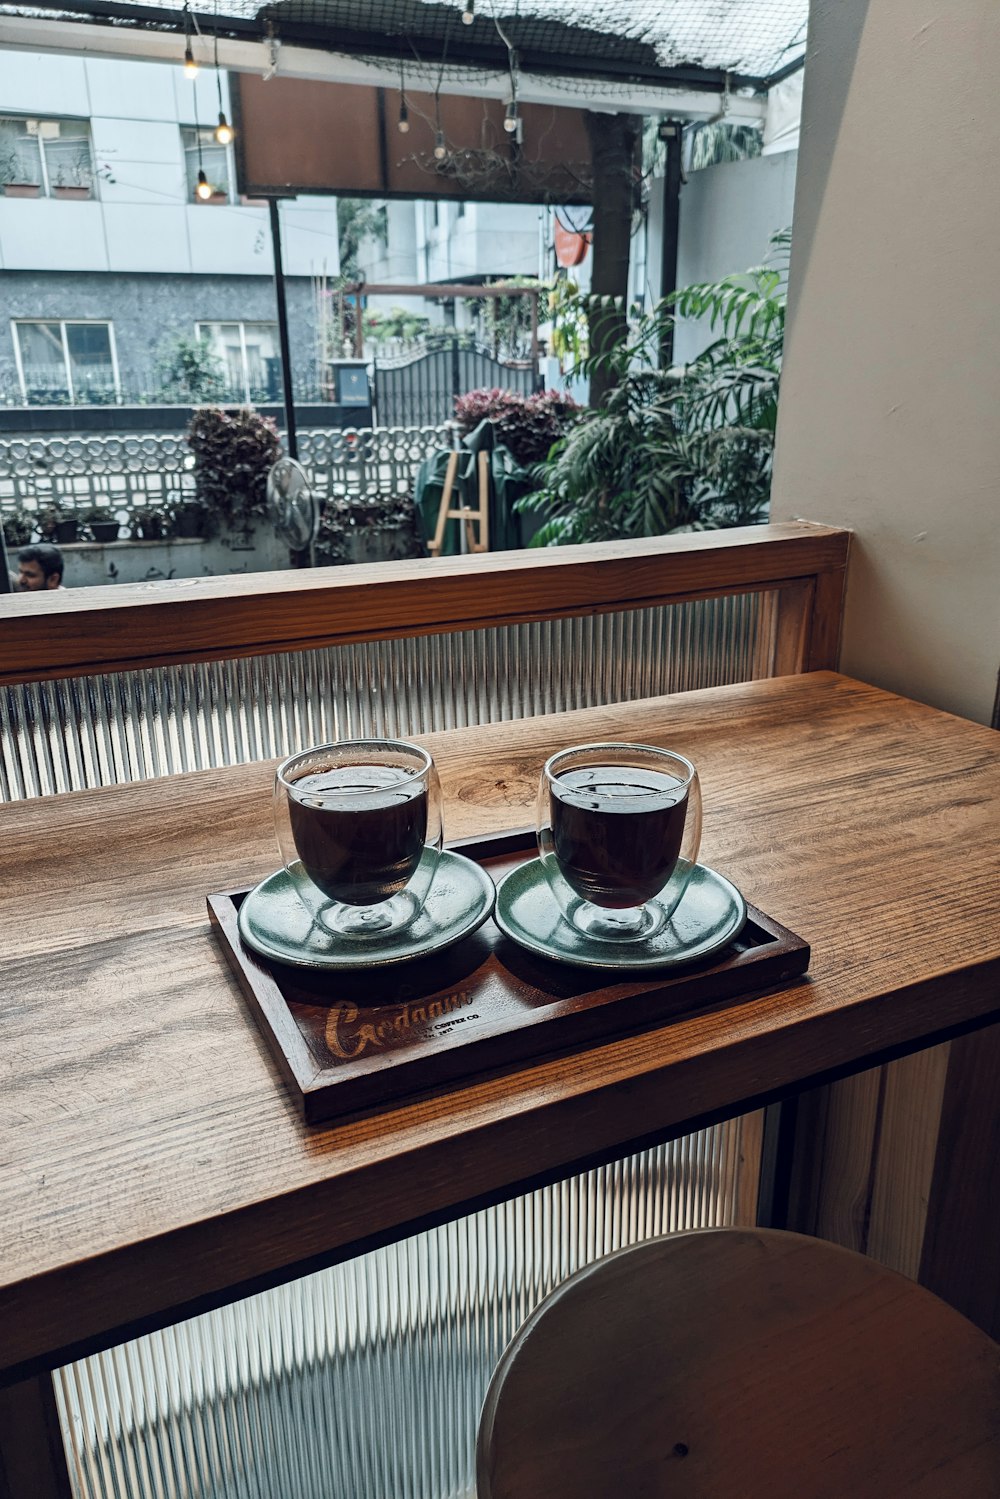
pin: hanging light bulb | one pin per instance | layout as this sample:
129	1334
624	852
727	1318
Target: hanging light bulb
469	13
510	118
224	132
204	187
403	123
190	66
440	145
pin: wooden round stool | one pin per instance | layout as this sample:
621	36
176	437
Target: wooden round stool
742	1364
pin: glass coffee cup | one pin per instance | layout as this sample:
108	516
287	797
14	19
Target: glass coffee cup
619	829
360	832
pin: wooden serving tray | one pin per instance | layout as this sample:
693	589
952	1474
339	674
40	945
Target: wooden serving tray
355	1041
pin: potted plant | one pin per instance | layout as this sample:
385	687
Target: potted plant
13	178
150	523
56	523
18	527
233	453
74	179
102	523
190	518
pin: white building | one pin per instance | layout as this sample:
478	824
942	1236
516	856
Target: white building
106	252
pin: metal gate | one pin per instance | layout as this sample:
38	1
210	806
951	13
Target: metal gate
420	391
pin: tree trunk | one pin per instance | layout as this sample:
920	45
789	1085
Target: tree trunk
614	143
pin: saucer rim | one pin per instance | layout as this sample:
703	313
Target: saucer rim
618	964
370	960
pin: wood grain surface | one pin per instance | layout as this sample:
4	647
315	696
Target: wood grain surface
149	1151
207	619
731	1363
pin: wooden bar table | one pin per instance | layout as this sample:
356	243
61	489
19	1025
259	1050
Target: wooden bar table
152	1162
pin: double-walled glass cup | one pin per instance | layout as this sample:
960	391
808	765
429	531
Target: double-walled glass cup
360	833
619	828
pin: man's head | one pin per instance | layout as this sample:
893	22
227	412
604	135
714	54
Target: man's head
39	567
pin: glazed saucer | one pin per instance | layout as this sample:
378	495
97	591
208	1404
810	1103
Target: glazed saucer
275	923
711	913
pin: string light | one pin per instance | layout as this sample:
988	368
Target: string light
403	123
469	13
204	188
224	132
510	120
190	65
440	145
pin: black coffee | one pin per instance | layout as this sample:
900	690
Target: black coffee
359	849
617	832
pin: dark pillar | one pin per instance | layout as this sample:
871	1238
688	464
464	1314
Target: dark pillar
672	137
288	394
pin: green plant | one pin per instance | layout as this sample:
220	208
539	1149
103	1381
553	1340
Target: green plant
347	516
189	516
189	371
52	518
150	522
358	219
233	453
18	527
527	425
97	514
672	449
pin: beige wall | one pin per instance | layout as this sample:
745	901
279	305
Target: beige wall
890	407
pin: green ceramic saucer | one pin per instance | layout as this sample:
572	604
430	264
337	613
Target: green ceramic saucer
711	913
275	923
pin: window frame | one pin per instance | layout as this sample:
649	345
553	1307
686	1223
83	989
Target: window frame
46	185
240	323
17	322
192	150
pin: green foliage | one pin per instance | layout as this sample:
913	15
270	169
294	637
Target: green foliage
397	324
526	425
18	527
676	449
233	453
189	371
570	327
358	219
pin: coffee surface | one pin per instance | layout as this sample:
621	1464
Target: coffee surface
359	831
617	832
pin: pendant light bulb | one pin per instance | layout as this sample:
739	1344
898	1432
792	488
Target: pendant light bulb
190	66
224	132
440	146
204	189
469	13
403	123
510	118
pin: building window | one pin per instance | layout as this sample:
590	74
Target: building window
214	160
63	363
46	158
248	357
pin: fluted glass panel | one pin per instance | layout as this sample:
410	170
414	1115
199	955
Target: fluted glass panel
72	733
365	1381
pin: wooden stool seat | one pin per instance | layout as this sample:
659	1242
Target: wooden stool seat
742	1364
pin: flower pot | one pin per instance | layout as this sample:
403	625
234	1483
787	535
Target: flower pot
104	531
149	530
189	521
67	530
22	189
75	193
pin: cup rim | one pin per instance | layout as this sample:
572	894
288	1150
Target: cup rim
337	745
618	745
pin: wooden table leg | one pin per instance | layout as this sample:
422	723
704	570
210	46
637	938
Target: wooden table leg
32	1456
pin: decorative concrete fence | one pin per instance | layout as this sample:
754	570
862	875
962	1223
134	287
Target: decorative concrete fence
129	473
